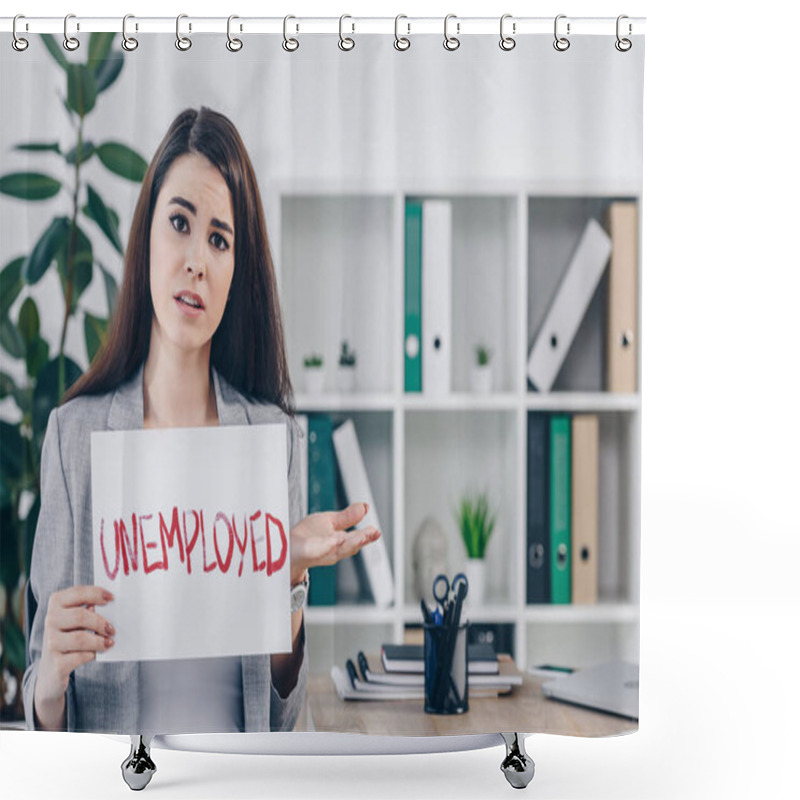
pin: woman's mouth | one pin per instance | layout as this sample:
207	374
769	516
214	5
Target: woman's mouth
189	303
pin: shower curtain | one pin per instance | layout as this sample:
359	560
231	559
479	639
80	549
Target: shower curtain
442	251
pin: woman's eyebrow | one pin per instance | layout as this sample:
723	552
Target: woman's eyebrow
182	201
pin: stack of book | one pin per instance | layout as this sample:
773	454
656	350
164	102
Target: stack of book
399	674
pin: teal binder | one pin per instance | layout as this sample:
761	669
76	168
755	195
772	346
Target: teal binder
560	509
321	497
413	297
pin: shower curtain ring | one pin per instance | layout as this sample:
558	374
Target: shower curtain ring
507	42
128	42
183	43
451	42
623	45
561	43
345	42
234	45
70	42
18	43
289	45
401	42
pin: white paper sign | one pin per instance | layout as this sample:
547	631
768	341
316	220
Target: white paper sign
191	535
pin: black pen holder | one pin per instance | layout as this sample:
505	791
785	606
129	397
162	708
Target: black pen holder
446	669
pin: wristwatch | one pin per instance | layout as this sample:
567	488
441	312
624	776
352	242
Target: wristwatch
299	594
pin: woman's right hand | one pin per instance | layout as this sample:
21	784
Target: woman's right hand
73	633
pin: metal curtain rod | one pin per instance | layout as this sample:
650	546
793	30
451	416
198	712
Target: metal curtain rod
461	26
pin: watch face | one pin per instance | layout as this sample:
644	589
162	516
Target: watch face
298	596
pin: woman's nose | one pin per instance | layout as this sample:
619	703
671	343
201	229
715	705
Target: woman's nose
195	264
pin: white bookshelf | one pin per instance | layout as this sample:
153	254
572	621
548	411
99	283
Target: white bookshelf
339	253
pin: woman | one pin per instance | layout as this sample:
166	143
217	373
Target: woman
196	340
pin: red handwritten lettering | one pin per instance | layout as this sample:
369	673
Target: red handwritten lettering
257	565
190	544
242	545
168	537
274	566
148	568
112	573
226	562
121	532
206	566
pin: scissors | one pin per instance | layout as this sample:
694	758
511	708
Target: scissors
446	594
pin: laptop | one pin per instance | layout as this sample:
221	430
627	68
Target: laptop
611	687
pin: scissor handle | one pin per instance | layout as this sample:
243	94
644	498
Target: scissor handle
441	596
459	581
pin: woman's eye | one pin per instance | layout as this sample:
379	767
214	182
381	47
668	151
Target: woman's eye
179	222
219	241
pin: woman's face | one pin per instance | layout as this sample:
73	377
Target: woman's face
191	253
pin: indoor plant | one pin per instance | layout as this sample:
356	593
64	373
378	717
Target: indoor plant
476	523
346	375
313	373
481	374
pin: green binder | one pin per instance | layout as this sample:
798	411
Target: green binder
413	297
321	497
560	509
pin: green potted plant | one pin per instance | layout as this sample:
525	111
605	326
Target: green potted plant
481	374
36	372
476	522
313	373
346	376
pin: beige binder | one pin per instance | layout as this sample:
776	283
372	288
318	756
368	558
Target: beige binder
622	347
585	495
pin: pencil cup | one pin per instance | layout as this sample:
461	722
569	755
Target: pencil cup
446	669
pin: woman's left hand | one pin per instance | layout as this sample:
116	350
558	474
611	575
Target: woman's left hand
323	538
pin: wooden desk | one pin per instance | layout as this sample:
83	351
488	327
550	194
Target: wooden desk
525	710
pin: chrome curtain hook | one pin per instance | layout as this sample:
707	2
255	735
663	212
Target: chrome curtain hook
623	45
345	42
128	42
289	45
18	43
507	42
451	42
183	43
70	42
401	42
234	45
561	43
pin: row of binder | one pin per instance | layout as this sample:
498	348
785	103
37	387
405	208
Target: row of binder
336	472
562	508
428	299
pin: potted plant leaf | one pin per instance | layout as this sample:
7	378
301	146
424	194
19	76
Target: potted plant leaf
313	373
481	374
346	375
476	523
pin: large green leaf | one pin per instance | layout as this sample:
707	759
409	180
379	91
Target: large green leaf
50	244
13	644
29	185
108	70
81	89
46	395
94	330
87	151
11	284
12	453
55	49
99	46
98	211
122	161
9	549
7	385
28	323
111	288
40	147
82	267
10	340
36	355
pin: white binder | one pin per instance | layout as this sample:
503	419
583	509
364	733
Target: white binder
436	296
569	306
357	489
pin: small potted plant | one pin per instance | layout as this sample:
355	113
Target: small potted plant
481	375
314	373
346	375
476	523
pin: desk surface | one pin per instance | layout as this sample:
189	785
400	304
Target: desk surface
524	710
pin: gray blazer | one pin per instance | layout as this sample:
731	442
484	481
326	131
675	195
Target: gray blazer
105	696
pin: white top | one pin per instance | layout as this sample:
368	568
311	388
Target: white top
193	695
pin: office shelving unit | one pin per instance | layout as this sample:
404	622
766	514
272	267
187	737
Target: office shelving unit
339	252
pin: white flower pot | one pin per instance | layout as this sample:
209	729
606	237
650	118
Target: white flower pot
481	379
476	575
346	379
314	379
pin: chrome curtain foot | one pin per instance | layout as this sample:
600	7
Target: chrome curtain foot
138	768
517	766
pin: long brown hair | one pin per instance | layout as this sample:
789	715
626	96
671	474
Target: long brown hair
248	348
